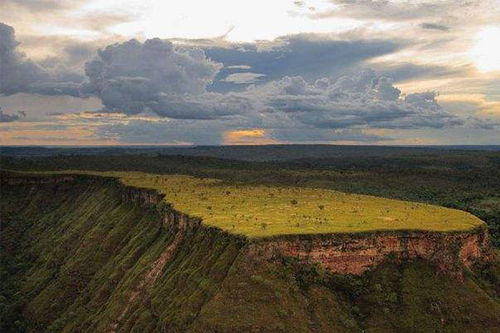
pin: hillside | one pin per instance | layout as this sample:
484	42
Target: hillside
88	254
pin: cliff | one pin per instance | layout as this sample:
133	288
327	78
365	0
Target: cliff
89	254
357	253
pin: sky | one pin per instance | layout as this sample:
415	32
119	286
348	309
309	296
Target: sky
153	72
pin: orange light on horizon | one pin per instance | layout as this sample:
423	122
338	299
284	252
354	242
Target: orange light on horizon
252	136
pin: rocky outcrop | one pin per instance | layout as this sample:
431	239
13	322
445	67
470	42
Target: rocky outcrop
142	196
357	253
171	219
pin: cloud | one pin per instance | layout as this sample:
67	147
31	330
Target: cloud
7	118
243	78
365	99
20	74
44	5
434	26
132	77
302	88
239	67
251	136
308	55
326	109
16	73
404	71
393	10
483	123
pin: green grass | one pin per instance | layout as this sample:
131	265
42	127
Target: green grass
269	297
77	250
264	211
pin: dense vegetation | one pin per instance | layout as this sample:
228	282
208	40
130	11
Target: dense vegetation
463	179
76	252
267	153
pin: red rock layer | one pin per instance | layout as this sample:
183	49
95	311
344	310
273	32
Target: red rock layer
356	253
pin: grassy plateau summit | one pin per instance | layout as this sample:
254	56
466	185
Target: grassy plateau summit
264	211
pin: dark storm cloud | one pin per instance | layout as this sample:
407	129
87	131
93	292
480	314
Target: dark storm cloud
365	99
20	74
133	77
293	109
308	55
434	26
16	72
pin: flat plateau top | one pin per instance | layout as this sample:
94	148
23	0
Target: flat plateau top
263	211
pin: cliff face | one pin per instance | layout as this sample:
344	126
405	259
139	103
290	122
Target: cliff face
141	196
355	254
97	254
104	257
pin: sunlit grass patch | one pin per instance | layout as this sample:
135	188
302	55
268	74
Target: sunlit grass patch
261	211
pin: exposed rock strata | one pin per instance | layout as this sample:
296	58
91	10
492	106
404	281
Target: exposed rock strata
356	253
142	196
